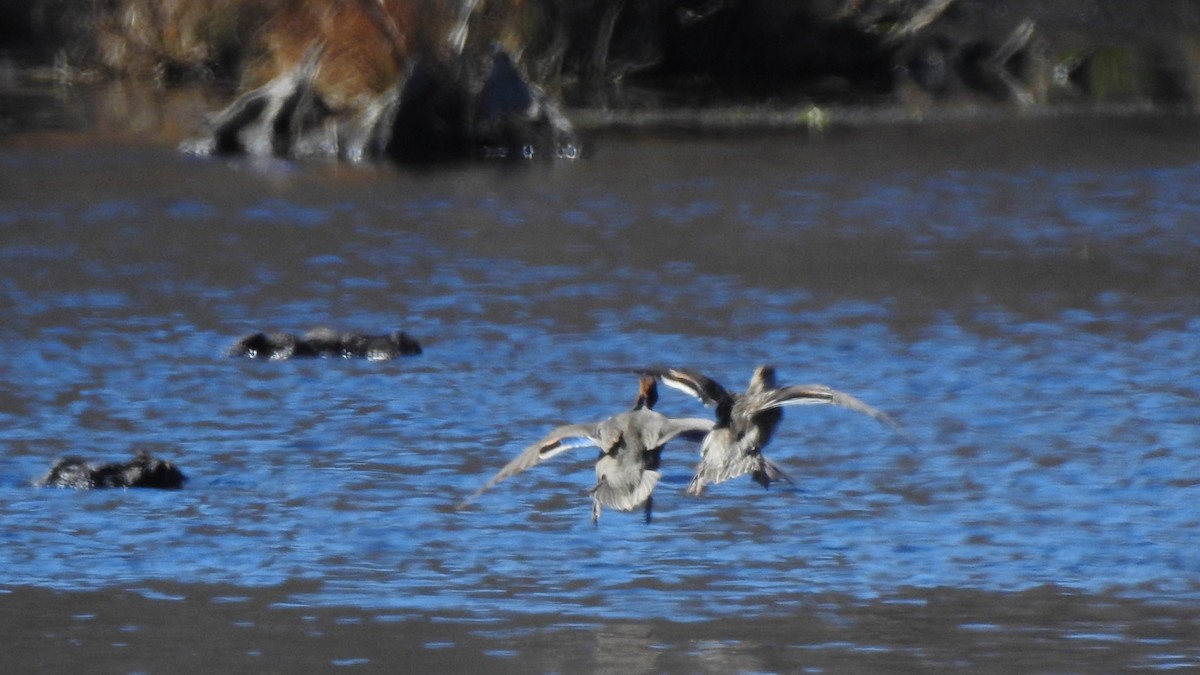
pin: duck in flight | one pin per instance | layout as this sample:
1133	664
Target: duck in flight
630	444
746	421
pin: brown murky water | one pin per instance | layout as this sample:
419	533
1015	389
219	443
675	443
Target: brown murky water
232	629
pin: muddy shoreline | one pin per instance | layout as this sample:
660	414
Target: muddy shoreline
196	628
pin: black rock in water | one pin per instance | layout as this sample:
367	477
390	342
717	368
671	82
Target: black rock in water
142	471
325	342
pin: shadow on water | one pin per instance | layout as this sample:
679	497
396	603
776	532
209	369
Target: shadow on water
1020	294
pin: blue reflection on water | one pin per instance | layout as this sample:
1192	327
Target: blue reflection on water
1057	432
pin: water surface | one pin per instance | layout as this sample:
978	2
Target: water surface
1021	295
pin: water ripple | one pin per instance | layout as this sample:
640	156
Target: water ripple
1032	328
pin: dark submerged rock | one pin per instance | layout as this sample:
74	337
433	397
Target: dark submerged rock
421	121
142	471
326	342
379	347
320	341
264	346
514	119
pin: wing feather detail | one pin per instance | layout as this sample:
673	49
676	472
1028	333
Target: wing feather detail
707	390
692	429
559	440
802	394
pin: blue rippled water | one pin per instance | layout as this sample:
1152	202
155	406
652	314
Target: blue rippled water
1032	321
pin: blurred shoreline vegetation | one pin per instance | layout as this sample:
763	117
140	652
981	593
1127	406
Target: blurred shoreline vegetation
655	61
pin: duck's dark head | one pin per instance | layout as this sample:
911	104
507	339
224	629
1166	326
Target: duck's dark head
647	392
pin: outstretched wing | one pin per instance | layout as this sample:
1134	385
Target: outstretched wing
708	390
561	439
803	394
688	428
